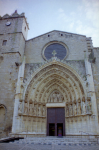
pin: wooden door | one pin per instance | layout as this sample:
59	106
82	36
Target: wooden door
55	117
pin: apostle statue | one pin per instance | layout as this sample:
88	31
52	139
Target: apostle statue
75	109
25	107
67	110
20	107
79	108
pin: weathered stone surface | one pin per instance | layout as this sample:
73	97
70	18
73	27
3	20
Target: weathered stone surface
29	83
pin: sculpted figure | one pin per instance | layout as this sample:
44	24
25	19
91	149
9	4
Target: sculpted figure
43	111
67	110
89	106
83	108
62	98
25	107
20	107
75	110
39	111
51	98
35	110
58	97
70	110
55	96
30	109
79	108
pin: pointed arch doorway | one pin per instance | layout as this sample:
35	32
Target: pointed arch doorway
56	121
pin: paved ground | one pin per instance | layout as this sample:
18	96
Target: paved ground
14	146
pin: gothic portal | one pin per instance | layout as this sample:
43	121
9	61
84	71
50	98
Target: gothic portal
50	83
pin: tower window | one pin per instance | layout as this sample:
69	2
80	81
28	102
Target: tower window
48	35
61	34
4	42
25	28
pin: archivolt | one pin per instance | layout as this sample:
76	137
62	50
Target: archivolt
54	76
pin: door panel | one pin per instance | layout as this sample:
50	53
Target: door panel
56	116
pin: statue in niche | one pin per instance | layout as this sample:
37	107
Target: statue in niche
62	98
55	96
79	108
67	110
58	97
20	107
83	107
25	107
70	110
75	109
35	108
39	111
89	106
43	111
30	109
49	99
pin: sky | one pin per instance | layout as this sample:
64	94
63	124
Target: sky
74	16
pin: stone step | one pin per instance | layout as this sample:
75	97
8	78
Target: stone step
55	140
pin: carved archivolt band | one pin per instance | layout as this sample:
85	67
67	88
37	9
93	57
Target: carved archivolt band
55	83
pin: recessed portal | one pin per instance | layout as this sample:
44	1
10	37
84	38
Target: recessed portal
51	129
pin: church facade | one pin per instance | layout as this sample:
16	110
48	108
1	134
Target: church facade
49	85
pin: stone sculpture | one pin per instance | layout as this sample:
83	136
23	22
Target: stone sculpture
30	109
35	107
67	110
79	108
56	96
70	110
83	108
20	107
75	109
25	107
89	107
39	111
43	111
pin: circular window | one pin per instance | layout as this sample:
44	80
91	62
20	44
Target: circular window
58	48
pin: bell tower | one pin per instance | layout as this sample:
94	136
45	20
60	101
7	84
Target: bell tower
13	33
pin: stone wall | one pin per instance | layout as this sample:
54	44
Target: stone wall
8	80
76	44
78	66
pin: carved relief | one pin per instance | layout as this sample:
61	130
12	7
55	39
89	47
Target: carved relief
56	96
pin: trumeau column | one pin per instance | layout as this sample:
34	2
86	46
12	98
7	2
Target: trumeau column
18	96
91	93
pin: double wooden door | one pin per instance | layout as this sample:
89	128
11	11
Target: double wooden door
56	121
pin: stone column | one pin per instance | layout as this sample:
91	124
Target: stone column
91	93
18	96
